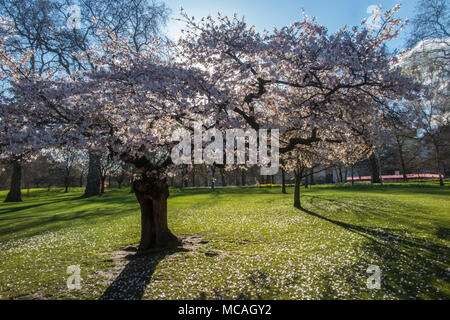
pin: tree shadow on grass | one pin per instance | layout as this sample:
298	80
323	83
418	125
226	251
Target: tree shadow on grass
30	206
411	267
132	282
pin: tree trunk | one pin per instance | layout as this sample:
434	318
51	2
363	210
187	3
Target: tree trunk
93	177
152	196
283	181
298	178
311	177
15	194
341	177
307	178
213	176
402	163
132	185
222	177
66	182
402	159
102	181
193	177
438	163
353	176
374	170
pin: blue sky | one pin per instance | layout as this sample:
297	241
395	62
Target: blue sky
266	14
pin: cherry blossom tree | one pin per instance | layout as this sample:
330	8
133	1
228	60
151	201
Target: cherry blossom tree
313	86
128	109
318	88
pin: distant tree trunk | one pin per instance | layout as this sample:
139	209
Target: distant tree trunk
193	177
102	184
152	195
243	178
298	178
132	185
93	177
81	180
345	174
311	177
213	176
341	177
438	164
402	162
283	181
119	184
374	169
109	181
223	177
66	181
307	178
15	194
353	179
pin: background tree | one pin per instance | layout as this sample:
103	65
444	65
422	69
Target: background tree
431	22
432	109
108	167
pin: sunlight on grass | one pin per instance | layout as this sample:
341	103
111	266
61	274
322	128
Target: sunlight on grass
255	244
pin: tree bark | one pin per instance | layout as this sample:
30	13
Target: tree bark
374	170
132	185
298	178
353	176
222	176
93	177
311	177
283	181
307	178
102	181
15	194
438	164
243	178
213	176
402	162
152	196
193	177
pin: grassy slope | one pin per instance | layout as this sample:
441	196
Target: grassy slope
262	247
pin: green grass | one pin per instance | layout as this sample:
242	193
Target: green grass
255	245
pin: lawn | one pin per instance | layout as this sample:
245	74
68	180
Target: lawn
239	243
